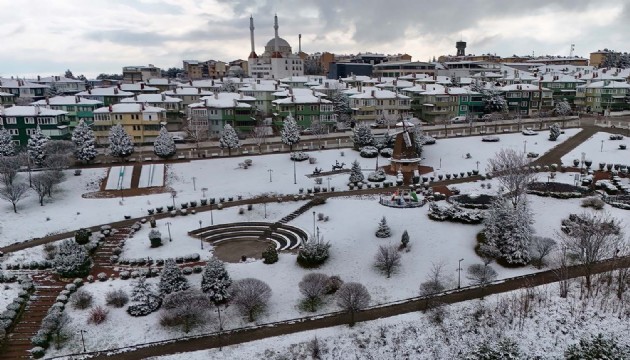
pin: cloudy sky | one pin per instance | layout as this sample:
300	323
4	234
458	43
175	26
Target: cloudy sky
46	37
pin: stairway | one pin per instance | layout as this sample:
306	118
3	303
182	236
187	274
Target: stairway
105	250
302	209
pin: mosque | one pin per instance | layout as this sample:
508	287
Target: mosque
277	61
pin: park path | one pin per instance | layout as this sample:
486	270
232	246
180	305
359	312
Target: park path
338	319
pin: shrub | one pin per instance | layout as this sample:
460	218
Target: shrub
598	347
98	315
187	270
72	260
81	299
387	152
313	253
82	236
156	238
38	352
116	298
368	152
270	255
101	276
593	202
377	176
143	309
299	156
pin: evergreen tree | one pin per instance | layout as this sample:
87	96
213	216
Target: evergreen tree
341	106
597	348
229	139
71	260
7	146
404	240
554	132
363	136
37	147
290	132
120	143
509	229
562	108
164	144
172	279
356	175
215	280
142	291
383	229
270	255
84	142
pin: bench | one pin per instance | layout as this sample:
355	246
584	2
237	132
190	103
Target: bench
181	157
245	152
276	150
148	159
214	154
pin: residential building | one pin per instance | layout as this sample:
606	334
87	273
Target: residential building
373	103
134	74
22	122
597	58
562	86
76	108
213	112
458	69
138	88
7	99
61	85
277	61
106	95
193	69
560	60
338	70
172	105
437	105
141	122
398	58
603	96
307	106
397	69
263	93
527	99
162	84
188	95
23	89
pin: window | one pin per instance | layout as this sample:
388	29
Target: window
524	103
47	121
534	104
29	120
464	98
13	131
11	120
30	132
463	108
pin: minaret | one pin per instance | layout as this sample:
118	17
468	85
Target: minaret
299	43
252	54
276	52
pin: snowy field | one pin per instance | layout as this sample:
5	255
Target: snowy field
7	294
552	325
151	175
599	148
448	156
119	178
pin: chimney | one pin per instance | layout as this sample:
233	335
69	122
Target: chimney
190	82
39	78
212	83
372	93
57	78
135	97
47	100
198	90
118	85
116	90
37	110
77	99
205	102
175	91
216	95
142	106
163	97
275	86
141	86
111	108
89	91
292	98
235	102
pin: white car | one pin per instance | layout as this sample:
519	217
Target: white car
529	132
459	120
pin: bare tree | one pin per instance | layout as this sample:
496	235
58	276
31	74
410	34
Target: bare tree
488	253
313	286
13	193
540	248
186	309
250	296
197	131
591	238
511	168
353	297
259	135
39	184
481	274
387	260
561	270
435	282
9	168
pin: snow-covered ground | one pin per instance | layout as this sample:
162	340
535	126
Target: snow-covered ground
599	148
544	332
7	294
151	175
119	178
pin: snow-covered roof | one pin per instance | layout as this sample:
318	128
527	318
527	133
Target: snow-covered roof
67	100
424	88
128	109
34	110
18	83
55	79
607	85
105	91
303	97
224	100
400	84
559	78
297	79
260	87
298	93
521	87
359	78
137	87
6	94
376	93
151	98
159	81
187	91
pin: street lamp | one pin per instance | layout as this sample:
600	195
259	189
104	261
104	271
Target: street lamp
194	185
328	178
270	171
602	147
294	174
313	223
83	340
265	205
477	165
168	225
173	195
525	146
459	274
200	238
211	217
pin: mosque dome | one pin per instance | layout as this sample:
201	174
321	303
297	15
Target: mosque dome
281	43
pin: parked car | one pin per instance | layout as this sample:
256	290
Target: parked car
529	132
487	117
459	120
306	131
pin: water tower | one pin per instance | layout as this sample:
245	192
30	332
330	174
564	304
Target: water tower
461	48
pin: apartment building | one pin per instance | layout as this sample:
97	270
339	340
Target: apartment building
22	122
373	103
141	122
213	112
76	108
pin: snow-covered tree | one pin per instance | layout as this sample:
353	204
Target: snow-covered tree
356	175
383	230
172	279
481	275
229	86
510	230
540	247
404	239
9	168
511	168
120	143
503	349
387	141
562	108
164	144
229	139
353	297
362	136
7	146
314	252
554	132
84	142
341	106
36	147
493	100
290	132
145	299
186	309
250	296
387	260
215	280
71	260
13	193
313	286
598	347
435	281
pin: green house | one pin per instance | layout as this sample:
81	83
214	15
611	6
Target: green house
22	121
76	107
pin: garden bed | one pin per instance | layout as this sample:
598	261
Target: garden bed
472	201
558	190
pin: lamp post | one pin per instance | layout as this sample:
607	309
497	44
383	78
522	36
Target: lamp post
168	226
313	223
602	147
211	217
294	174
265	205
220	328
200	239
328	178
173	195
83	340
459	274
524	146
270	171
194	185
477	165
